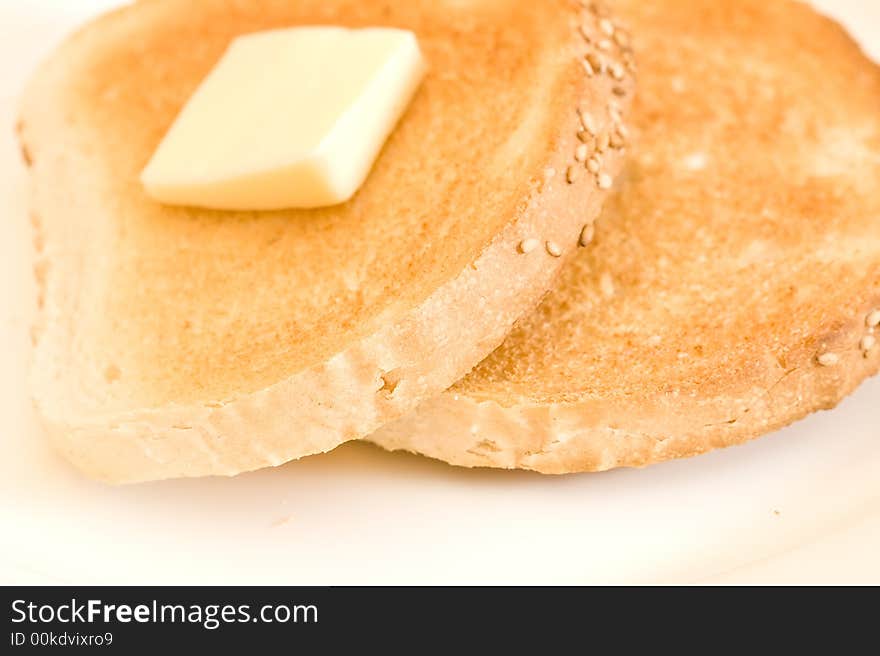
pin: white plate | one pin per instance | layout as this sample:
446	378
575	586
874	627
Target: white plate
800	506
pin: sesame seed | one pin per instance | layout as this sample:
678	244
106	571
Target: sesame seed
570	174
585	32
618	90
873	319
604	44
528	245
616	141
828	359
617	72
593	165
602	142
621	38
581	152
584	136
553	248
588	122
606	26
587	233
549	172
604	181
596	62
867	343
588	68
622	130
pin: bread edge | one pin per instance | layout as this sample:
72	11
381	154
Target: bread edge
593	435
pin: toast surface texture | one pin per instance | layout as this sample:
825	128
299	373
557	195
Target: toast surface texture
182	342
734	283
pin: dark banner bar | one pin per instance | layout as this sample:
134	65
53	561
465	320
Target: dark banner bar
168	619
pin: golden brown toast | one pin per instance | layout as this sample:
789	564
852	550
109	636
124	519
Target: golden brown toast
183	342
734	283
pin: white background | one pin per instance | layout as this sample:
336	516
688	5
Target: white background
800	506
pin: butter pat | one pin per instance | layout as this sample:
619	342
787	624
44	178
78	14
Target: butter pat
287	118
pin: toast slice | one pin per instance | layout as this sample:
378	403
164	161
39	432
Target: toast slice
734	283
182	342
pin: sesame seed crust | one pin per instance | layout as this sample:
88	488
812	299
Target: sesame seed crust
608	52
596	31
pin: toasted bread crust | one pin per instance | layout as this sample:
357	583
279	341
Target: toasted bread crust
597	435
735	280
222	417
